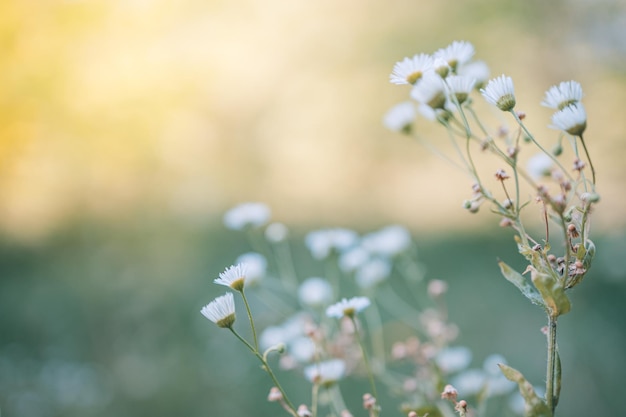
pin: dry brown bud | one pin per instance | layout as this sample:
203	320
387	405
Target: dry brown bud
369	401
573	232
521	115
579	165
506	222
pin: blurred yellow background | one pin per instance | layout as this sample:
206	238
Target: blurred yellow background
115	109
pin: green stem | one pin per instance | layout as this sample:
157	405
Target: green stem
245	301
368	367
593	171
266	368
551	370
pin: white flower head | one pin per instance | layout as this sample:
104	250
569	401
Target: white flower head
234	277
326	373
348	308
322	242
276	232
410	70
456	54
571	119
256	266
221	311
562	95
430	90
302	349
500	92
315	292
388	241
353	258
400	117
469	382
539	165
454	359
461	86
247	214
372	272
477	70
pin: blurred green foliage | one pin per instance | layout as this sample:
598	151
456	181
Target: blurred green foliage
100	322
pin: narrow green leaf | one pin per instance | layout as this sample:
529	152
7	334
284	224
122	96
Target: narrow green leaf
552	292
557	379
534	406
521	283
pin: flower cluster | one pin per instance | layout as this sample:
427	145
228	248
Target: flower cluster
441	87
323	336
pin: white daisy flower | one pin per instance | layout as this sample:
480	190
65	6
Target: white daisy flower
221	311
461	86
571	119
247	214
315	292
410	70
562	95
539	165
352	259
469	382
388	241
500	92
302	349
322	242
233	277
456	54
276	232
400	117
347	307
454	359
372	272
477	70
430	90
256	266
326	373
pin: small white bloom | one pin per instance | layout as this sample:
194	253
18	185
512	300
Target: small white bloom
247	214
326	373
315	292
372	272
400	117
430	90
322	242
469	382
410	70
539	165
256	266
477	70
454	359
234	277
347	307
271	336
221	311
286	332
388	241
456	54
571	119
302	349
353	258
500	92
461	86
276	232
562	95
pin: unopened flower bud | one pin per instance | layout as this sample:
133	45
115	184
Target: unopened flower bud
346	413
521	115
501	175
507	204
449	393
369	402
412	414
275	395
590	197
537	247
572	231
506	222
437	288
461	408
579	165
303	411
557	150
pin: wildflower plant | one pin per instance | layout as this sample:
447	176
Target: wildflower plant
328	328
561	256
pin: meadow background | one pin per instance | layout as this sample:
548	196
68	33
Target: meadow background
128	127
